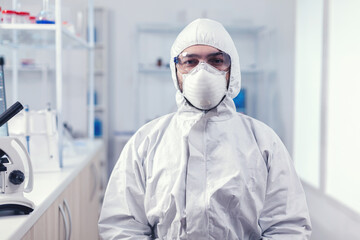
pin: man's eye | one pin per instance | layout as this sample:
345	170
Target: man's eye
216	61
190	62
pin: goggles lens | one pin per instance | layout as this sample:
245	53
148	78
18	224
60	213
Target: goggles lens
185	62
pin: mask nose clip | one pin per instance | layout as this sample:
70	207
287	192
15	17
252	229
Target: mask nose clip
202	64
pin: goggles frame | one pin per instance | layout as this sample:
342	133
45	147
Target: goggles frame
220	60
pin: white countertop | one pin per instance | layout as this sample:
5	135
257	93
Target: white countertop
47	188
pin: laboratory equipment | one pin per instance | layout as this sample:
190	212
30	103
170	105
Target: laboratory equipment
13	159
46	16
9	16
3	128
32	19
37	129
27	135
9	113
97	127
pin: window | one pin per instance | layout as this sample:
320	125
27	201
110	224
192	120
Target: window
343	114
327	112
308	71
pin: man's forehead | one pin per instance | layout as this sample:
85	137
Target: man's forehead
199	50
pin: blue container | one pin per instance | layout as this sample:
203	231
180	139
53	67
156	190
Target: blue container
240	101
97	127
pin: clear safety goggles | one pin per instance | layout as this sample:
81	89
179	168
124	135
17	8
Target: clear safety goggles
185	62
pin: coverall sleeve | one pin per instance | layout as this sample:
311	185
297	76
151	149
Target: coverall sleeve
285	213
123	214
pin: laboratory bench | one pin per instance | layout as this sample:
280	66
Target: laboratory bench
67	201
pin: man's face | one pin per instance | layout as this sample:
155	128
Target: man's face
202	52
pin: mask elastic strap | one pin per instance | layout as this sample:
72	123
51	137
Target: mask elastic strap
204	110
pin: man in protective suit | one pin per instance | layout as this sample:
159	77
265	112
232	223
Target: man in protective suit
205	171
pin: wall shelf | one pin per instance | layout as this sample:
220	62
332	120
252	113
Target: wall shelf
16	26
170	29
56	38
98	108
35	69
38	36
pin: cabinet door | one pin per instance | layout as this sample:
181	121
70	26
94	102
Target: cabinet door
90	199
48	227
71	202
76	210
51	225
29	235
101	164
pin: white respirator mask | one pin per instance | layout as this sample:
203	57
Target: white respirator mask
204	86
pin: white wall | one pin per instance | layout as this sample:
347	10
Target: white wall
124	15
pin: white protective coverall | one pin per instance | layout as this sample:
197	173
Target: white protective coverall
196	175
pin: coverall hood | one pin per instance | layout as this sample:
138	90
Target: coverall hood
211	33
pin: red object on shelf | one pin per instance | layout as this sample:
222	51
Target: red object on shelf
8	12
23	13
9	16
22	17
32	19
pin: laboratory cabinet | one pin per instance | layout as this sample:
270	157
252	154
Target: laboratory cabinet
74	214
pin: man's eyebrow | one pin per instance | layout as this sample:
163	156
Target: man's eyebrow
214	54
